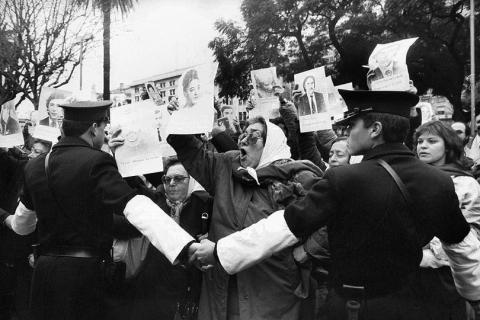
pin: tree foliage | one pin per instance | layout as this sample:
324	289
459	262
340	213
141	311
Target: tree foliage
294	35
44	39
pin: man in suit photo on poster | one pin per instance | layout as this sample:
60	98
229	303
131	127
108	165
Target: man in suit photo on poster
55	113
311	102
8	120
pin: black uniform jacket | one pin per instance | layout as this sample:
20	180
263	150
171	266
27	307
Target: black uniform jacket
375	240
87	190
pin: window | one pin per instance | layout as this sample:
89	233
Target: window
172	83
136	90
162	94
162	85
172	92
137	98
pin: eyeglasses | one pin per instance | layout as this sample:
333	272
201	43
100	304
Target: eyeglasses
251	137
176	179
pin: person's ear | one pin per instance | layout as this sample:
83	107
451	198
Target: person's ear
376	129
93	129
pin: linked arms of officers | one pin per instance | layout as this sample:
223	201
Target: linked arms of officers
282	229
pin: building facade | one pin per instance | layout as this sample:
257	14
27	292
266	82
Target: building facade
166	85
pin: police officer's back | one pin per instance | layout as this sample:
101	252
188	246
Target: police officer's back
376	234
73	193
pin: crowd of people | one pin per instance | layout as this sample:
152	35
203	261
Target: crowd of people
259	221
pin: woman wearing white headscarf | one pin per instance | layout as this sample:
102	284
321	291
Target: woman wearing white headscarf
158	289
248	185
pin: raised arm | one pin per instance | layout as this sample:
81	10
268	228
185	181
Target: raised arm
198	162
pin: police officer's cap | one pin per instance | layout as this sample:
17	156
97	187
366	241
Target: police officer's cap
86	110
364	101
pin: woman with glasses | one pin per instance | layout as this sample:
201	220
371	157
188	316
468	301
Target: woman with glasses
440	146
160	290
248	184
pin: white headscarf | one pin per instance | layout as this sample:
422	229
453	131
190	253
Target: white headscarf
275	148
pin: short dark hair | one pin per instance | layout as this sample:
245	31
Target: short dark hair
77	128
454	152
262	121
338	139
394	128
170	162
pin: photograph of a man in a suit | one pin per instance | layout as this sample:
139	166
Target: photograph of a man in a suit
55	113
310	102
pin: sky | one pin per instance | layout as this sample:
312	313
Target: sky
157	36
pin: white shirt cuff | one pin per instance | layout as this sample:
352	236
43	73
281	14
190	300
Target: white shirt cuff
23	222
242	249
162	231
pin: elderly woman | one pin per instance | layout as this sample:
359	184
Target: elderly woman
248	185
339	154
156	288
440	146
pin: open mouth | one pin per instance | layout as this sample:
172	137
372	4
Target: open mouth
243	153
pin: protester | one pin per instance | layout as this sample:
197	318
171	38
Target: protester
376	233
158	289
39	147
247	185
473	152
440	146
339	153
462	130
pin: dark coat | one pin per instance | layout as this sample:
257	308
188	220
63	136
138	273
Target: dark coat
375	241
304	105
88	189
269	289
159	286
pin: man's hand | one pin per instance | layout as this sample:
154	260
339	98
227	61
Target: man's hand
202	254
300	255
116	140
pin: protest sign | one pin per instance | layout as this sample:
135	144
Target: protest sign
10	129
264	82
153	93
141	124
317	100
50	113
195	113
267	108
388	66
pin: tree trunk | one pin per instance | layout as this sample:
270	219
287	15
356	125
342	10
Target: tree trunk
303	50
333	37
106	9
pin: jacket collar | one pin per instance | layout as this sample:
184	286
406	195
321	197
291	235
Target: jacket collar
388	149
72	142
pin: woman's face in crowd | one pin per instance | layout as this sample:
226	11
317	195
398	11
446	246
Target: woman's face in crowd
339	154
176	182
193	91
37	149
251	145
431	149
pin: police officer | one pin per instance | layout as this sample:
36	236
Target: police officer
379	214
71	194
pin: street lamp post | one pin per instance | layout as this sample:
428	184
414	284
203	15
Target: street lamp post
472	67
